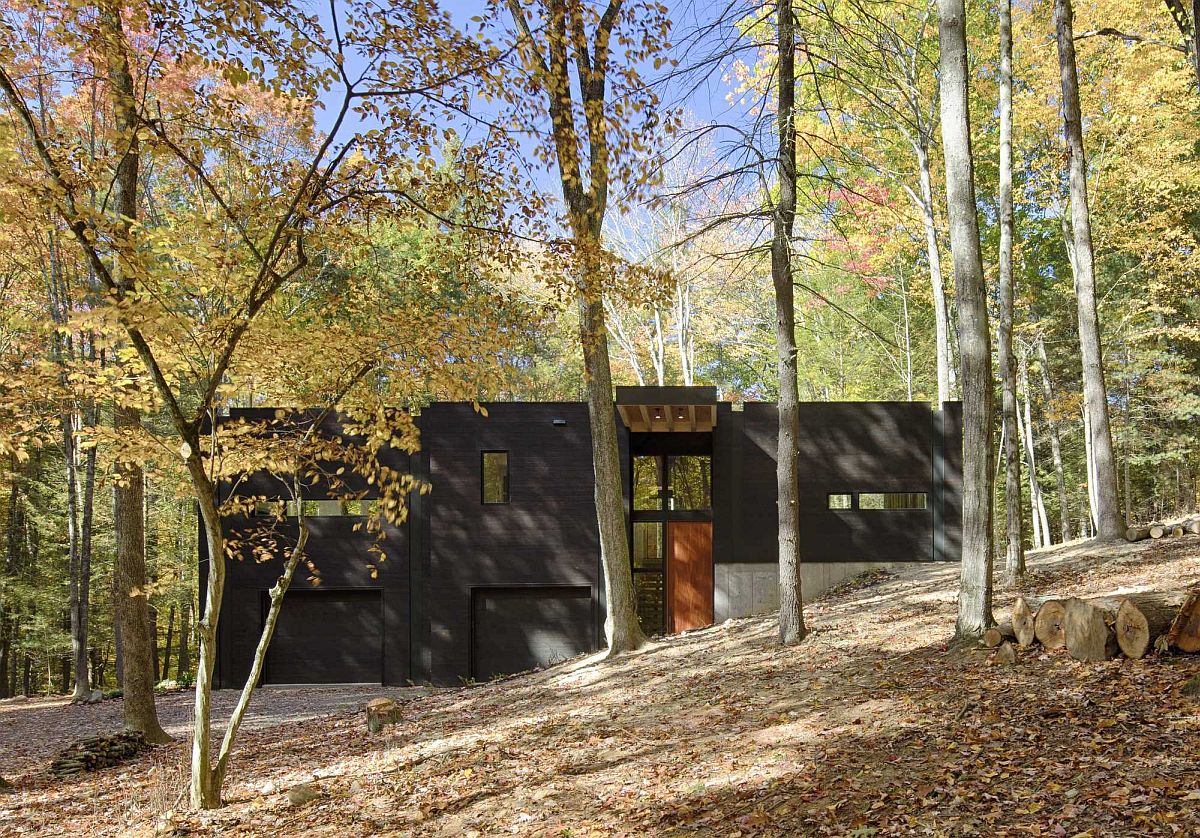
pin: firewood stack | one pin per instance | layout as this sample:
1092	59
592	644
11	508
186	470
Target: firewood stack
1103	627
97	752
1158	530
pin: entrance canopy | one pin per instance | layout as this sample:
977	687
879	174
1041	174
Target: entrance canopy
668	409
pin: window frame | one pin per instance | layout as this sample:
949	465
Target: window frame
483	455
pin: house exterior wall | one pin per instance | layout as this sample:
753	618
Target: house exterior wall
342	561
743	589
545	535
455	549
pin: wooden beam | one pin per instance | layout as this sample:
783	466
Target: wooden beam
691	415
645	417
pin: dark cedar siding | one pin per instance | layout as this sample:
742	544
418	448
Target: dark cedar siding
844	447
539	553
518	628
948	466
544	536
341	556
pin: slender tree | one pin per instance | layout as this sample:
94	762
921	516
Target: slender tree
975	586
1110	525
558	39
130	598
1060	481
791	601
1015	537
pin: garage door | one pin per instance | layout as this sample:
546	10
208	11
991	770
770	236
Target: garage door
515	629
327	637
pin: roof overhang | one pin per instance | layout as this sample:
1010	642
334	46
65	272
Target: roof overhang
668	409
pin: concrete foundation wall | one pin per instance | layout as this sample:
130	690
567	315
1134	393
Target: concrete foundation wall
740	590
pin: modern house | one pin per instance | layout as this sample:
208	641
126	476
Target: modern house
497	568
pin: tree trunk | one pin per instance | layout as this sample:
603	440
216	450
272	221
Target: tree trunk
1060	481
1109	523
201	790
5	651
165	672
75	583
1141	619
621	628
154	659
183	661
277	592
584	179
129	567
1040	520
118	653
1088	630
941	308
1015	537
975	588
130	602
86	529
791	600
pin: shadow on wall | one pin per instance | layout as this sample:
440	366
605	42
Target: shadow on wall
510	584
844	448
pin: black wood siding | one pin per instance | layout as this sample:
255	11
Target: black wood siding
843	447
342	561
327	637
341	558
517	629
545	535
454	546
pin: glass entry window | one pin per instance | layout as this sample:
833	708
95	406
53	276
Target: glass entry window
665	488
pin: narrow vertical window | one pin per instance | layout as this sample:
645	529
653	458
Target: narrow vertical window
495	477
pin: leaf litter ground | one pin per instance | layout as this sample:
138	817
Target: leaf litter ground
870	727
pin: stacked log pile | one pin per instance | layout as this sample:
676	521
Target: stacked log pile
1101	628
1159	530
97	752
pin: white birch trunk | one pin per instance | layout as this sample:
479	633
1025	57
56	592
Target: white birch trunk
1110	524
975	583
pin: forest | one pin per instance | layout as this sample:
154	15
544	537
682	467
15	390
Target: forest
362	208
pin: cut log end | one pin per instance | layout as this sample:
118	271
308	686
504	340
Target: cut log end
1048	624
1184	634
996	635
1140	621
1005	654
382	712
1023	618
1137	533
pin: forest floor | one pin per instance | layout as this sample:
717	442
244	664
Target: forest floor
870	727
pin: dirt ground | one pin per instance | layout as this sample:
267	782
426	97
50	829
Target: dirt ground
870	727
34	730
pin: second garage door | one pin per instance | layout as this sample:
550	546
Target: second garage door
327	637
515	629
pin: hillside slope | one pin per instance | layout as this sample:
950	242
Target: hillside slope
868	728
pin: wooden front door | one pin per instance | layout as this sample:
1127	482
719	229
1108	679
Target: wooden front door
689	575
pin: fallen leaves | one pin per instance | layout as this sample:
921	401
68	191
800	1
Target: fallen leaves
867	729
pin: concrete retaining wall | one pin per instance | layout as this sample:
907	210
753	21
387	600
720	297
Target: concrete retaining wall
740	590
